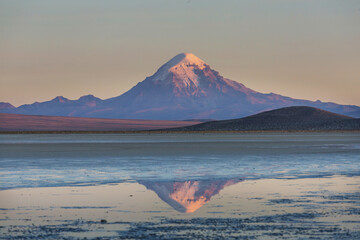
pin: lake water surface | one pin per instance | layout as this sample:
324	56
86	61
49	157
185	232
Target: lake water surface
190	186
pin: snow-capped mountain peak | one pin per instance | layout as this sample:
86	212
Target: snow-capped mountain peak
185	60
183	88
181	66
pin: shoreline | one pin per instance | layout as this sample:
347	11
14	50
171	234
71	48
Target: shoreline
176	132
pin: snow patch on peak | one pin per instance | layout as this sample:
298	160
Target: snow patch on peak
182	67
185	59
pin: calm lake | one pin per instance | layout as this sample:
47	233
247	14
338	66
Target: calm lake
180	186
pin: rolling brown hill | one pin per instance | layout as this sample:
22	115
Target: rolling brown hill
18	122
298	118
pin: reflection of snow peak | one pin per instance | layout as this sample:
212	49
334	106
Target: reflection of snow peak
187	196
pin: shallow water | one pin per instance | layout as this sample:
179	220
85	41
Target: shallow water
262	186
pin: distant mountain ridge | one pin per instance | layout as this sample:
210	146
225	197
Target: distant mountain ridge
299	118
183	88
59	106
6	106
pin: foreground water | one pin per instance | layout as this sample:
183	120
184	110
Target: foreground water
180	186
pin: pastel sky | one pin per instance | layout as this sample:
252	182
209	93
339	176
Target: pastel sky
304	49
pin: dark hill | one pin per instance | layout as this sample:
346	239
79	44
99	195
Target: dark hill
297	118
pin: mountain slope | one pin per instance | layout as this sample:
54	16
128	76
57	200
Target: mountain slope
183	88
187	88
284	119
6	106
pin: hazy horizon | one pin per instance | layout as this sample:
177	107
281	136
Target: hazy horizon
301	49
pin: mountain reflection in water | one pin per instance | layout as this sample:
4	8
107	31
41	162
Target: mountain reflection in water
188	196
